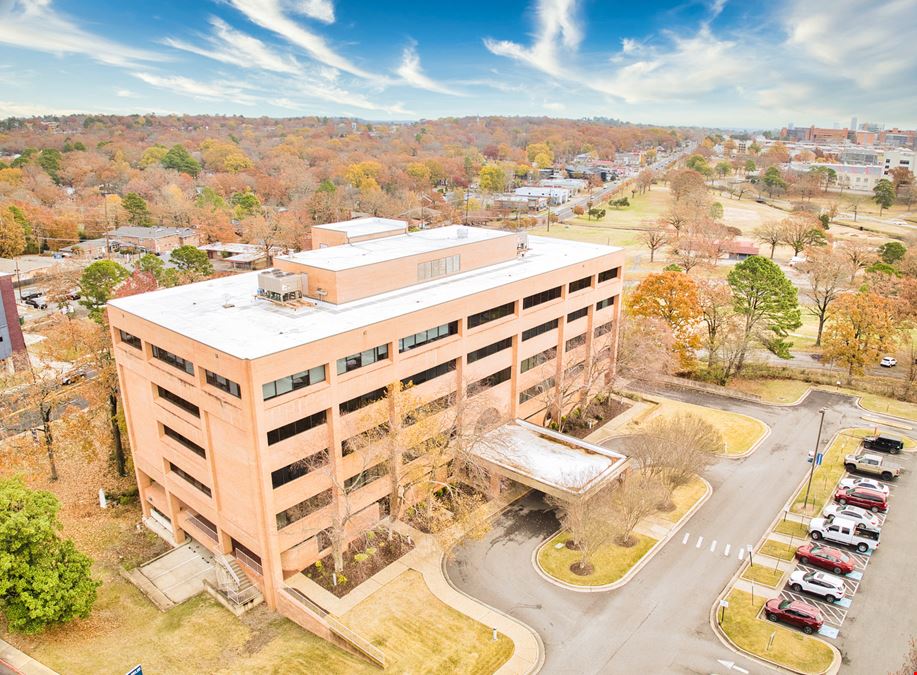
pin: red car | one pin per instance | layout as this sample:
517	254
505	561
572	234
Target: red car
795	613
826	557
863	497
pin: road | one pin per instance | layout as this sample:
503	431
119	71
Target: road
659	622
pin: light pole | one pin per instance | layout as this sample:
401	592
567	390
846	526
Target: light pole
821	423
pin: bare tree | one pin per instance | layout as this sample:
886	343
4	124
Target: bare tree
645	348
655	238
860	254
770	234
717	313
636	496
829	272
801	230
909	664
590	521
30	403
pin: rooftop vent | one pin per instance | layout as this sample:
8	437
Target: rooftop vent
462	232
280	286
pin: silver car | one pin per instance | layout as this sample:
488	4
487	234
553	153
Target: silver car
854	513
822	584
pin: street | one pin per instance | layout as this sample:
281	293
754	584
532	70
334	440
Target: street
659	621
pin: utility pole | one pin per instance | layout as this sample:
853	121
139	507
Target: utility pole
805	502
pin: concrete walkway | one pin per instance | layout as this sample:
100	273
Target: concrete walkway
21	662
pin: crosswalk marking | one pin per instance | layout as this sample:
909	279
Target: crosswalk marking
713	546
687	536
726	551
700	540
741	554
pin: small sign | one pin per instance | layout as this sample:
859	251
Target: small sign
723	603
136	670
818	458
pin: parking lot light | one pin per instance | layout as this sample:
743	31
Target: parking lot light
805	503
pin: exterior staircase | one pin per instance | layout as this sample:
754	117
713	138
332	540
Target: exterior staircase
233	583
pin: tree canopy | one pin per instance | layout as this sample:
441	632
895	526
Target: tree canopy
97	284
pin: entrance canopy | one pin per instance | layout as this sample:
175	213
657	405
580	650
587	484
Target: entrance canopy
557	464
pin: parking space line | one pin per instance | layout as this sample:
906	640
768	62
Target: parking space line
726	550
856	575
713	546
687	536
741	554
700	540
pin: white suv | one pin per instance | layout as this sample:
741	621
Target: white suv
867	483
854	513
825	585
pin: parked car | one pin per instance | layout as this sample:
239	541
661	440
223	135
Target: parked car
868	483
884	443
826	557
867	499
822	584
36	301
874	464
888	362
843	531
854	513
795	613
74	376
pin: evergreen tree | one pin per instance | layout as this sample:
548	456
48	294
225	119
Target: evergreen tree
97	284
180	159
137	211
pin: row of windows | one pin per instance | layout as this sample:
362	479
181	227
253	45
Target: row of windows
483	352
181	440
574	370
361	401
365	477
577	314
493	380
363	439
361	359
580	284
173	360
178	401
539	330
491	314
427	336
430	373
300	380
608	275
131	340
296	427
433	269
542	297
191	479
433	444
223	383
607	302
535	390
604	329
299	468
428	409
303	509
537	359
575	342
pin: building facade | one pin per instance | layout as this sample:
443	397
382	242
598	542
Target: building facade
12	343
154	239
244	395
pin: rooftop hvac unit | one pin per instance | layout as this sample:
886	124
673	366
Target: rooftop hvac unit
522	241
462	232
282	286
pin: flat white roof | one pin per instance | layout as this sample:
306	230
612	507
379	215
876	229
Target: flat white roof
225	314
360	254
360	227
547	457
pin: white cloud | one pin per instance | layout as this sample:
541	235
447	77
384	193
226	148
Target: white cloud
557	32
411	72
238	92
34	24
126	93
17	109
322	10
555	106
231	46
270	15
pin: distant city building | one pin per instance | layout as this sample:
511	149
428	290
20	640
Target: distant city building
153	239
554	195
894	159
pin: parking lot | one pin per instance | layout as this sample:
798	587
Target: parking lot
836	614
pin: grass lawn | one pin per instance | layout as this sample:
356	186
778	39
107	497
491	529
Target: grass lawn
829	473
611	562
740	432
777	549
889	406
790	648
792	528
774	391
763	574
685	497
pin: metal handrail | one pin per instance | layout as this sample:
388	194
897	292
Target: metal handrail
206	529
248	560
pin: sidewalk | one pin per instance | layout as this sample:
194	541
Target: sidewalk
21	661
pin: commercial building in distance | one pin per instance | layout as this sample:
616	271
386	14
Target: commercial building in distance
243	395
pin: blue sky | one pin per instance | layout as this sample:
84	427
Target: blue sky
711	62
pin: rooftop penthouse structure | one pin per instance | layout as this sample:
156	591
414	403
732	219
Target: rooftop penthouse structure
244	394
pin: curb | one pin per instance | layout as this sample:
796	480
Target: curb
756	444
640	564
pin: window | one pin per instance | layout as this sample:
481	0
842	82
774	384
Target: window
604	329
535	390
181	440
438	268
365	477
580	284
608	275
490	381
173	360
539	330
294	428
430	373
577	314
303	509
293	382
575	342
364	358
427	336
537	359
428	409
189	478
178	401
299	468
436	443
575	370
539	298
223	383
129	339
362	401
498	346
607	302
363	439
491	314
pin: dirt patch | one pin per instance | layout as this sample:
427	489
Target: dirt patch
582	569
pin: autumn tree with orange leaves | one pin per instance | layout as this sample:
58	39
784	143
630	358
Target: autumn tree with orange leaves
860	328
671	297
